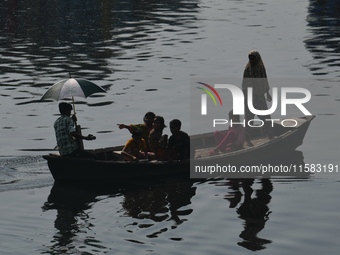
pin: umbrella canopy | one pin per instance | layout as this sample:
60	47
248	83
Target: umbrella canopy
72	88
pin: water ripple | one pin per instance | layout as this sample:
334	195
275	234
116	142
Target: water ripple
323	39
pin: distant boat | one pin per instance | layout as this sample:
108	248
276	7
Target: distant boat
107	168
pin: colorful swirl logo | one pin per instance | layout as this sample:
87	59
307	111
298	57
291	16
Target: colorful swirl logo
208	91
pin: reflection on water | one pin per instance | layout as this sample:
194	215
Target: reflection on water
253	210
71	205
149	210
253	204
72	218
89	38
324	42
161	203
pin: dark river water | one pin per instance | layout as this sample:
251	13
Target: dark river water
144	54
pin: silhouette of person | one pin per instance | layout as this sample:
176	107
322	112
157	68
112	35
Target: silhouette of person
255	212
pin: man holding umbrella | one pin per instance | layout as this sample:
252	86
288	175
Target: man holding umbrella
66	134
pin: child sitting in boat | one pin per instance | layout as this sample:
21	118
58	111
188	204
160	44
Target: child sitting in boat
179	142
145	127
233	140
135	147
158	141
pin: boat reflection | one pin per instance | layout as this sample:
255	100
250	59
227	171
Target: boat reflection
254	208
153	208
166	202
161	202
72	217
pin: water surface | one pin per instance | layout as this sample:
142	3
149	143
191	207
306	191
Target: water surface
144	54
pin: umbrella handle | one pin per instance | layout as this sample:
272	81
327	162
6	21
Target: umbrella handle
78	128
74	107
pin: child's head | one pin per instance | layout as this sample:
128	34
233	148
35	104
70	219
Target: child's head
148	118
175	125
235	118
158	123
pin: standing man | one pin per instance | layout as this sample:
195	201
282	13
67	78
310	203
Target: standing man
66	134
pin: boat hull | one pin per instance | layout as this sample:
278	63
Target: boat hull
84	170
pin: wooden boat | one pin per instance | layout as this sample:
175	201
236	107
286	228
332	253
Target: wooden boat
286	139
109	167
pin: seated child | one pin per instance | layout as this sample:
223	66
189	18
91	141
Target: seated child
158	141
233	140
179	142
145	127
135	148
